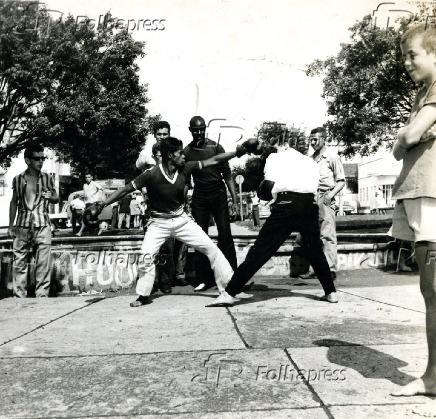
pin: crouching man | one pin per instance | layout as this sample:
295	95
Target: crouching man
165	185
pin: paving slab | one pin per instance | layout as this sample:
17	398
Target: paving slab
297	318
20	316
311	413
171	322
374	412
182	382
370	372
406	296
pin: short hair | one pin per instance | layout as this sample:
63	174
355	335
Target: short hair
426	32
33	148
197	121
320	130
159	125
168	146
155	149
88	173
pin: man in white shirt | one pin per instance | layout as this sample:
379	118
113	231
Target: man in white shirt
292	178
77	206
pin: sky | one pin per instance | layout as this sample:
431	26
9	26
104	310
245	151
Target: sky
237	63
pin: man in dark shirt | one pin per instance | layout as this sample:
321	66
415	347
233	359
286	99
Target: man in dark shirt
165	185
210	197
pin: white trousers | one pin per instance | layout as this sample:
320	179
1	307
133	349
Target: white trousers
185	229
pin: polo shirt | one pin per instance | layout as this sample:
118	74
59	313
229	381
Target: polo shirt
166	196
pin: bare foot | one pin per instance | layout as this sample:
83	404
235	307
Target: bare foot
140	301
417	387
330	298
223	300
243	295
78	234
404	268
427	410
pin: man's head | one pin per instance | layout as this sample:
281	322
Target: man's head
172	152
317	138
418	48
155	151
161	129
34	156
197	126
88	178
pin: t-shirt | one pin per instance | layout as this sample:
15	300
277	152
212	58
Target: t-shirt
92	192
417	175
291	171
166	196
211	178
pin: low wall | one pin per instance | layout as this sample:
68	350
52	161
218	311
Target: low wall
102	263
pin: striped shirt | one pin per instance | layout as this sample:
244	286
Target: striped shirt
38	215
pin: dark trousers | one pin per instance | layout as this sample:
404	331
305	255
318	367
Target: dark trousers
256	218
300	215
215	203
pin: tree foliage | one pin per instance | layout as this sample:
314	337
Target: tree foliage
368	92
74	88
253	170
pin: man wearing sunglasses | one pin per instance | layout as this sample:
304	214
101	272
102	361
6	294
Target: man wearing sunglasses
33	191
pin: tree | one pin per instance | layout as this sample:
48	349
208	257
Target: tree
74	88
254	166
368	92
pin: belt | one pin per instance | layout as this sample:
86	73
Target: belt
290	196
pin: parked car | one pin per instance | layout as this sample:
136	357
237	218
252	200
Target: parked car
61	219
347	209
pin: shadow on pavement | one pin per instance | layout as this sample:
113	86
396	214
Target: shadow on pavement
368	362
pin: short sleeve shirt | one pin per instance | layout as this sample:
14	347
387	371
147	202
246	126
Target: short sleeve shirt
416	179
91	191
166	196
331	170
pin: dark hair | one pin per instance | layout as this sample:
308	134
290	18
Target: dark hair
155	148
159	125
197	121
89	173
33	148
321	130
168	146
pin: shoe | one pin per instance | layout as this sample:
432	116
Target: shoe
165	288
330	298
202	287
142	300
333	274
308	275
223	300
181	281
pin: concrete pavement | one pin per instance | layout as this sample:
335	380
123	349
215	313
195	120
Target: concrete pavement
282	354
